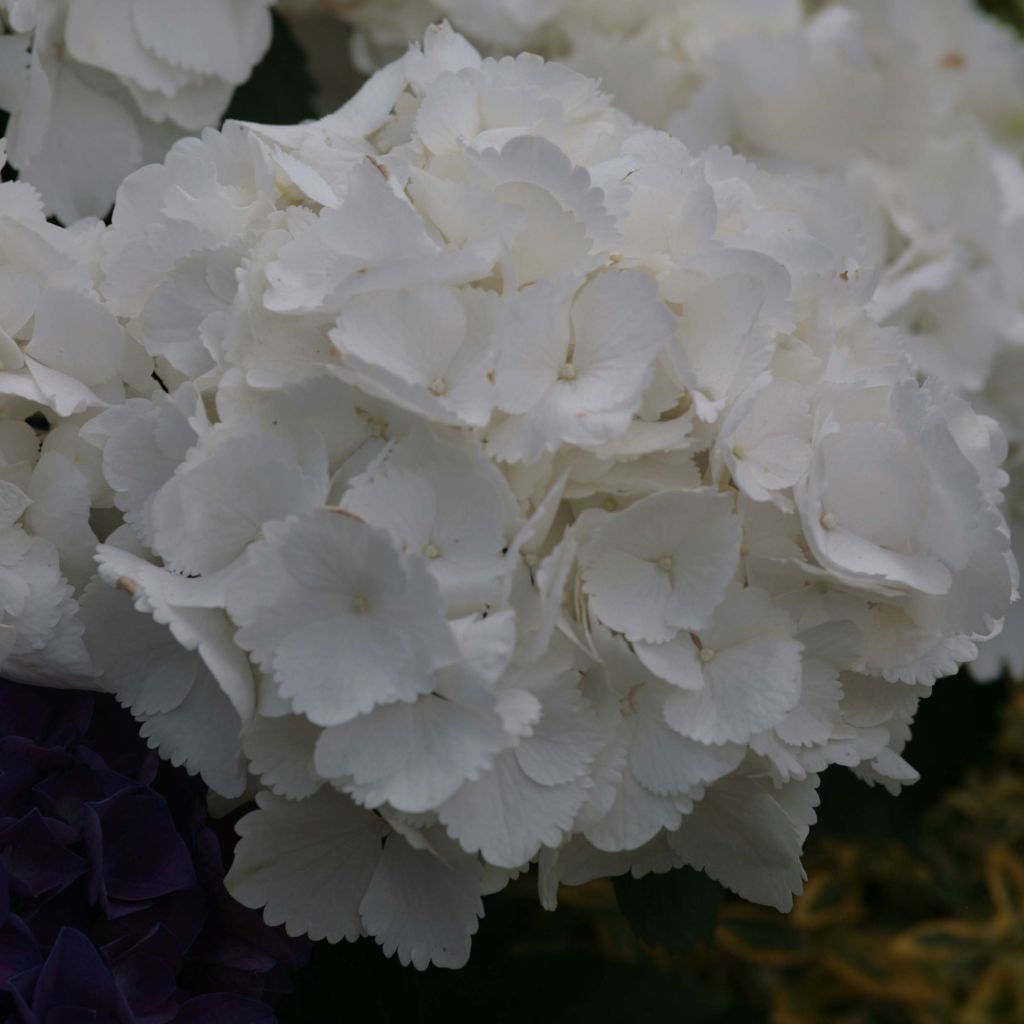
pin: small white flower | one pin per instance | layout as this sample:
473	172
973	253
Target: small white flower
889	501
765	441
344	623
431	350
205	516
531	795
573	367
662	565
648	776
448	505
375	239
749	662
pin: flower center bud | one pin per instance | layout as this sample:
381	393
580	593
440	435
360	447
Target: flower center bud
707	654
290	193
627	702
739	452
439	387
665	564
567	372
531	559
431	552
924	323
829	521
374	427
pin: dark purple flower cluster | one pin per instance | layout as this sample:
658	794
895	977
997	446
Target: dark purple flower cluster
112	901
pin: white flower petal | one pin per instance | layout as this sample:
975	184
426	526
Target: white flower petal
507	817
420	908
412	756
748	836
326	603
752	672
206	515
307	863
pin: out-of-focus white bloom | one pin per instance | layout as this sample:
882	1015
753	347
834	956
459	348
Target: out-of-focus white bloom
63	358
96	88
385	29
524	489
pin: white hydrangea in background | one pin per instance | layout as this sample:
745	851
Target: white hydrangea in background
521	489
97	88
385	27
917	106
63	358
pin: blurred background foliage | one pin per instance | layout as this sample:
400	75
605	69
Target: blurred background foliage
914	907
1011	11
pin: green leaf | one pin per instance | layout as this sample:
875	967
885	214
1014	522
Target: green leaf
674	910
281	88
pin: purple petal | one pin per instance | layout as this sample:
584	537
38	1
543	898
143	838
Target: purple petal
91	820
19	951
68	908
225	1009
89	780
180	916
74	976
157	941
71	1015
36	855
149	985
23	764
135	852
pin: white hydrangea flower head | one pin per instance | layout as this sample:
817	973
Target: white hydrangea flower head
97	88
913	109
523	489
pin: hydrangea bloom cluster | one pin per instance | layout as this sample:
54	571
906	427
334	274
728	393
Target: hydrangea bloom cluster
672	39
112	900
522	489
384	27
917	106
63	357
97	88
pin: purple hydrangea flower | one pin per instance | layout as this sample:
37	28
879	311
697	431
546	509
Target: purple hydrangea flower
112	901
